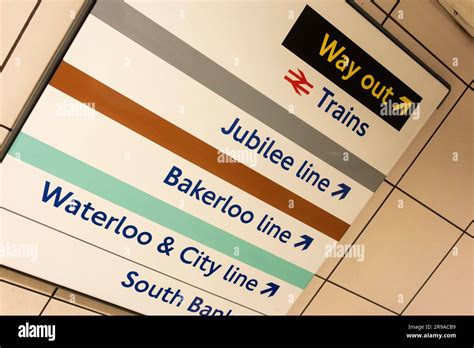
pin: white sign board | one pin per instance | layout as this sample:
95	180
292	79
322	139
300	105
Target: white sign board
201	157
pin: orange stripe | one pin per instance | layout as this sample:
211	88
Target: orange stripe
123	110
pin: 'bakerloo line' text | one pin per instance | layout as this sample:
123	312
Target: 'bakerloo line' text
265	225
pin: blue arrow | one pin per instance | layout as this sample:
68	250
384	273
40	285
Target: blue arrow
272	289
306	242
343	191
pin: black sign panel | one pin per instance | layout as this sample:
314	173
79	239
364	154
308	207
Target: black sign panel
321	45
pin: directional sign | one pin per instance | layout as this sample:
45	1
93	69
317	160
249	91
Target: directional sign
173	168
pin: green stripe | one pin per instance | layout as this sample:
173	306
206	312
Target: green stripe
78	173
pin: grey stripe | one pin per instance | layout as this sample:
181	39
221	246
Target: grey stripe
147	33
